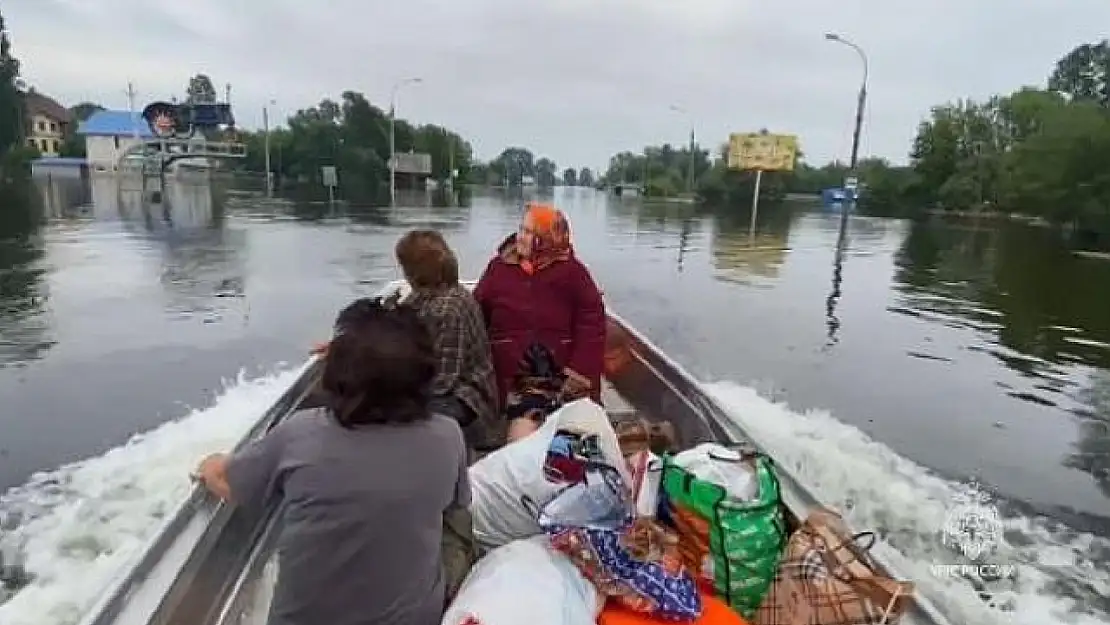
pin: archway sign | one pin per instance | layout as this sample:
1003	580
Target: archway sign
168	120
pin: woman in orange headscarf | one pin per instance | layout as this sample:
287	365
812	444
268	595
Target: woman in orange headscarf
536	292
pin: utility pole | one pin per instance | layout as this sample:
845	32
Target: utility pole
690	170
266	141
393	137
861	103
131	109
690	174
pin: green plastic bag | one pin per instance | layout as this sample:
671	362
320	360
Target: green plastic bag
746	538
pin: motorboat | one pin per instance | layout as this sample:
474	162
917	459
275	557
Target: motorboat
212	563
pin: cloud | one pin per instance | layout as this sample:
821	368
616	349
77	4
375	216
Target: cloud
575	80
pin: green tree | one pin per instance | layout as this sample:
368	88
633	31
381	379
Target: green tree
586	177
11	98
1038	153
450	153
1084	74
660	170
200	90
84	110
570	177
546	172
353	135
513	165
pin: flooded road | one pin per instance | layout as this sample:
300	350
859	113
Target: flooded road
974	350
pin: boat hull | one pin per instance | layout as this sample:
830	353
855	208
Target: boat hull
205	566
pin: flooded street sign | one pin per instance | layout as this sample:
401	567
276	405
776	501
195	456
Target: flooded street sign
761	151
331	180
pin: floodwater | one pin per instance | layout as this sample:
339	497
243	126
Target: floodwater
913	358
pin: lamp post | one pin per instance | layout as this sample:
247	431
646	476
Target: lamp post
266	141
860	105
393	136
690	172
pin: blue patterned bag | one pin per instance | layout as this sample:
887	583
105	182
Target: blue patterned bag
635	561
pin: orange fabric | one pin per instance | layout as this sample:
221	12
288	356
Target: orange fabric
550	238
693	533
714	612
543	216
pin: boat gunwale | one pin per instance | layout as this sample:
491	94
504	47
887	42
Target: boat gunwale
123	588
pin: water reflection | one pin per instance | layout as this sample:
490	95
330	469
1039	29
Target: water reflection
203	265
750	258
1042	310
832	322
26	332
63	197
1017	283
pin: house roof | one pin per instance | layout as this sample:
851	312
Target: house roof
115	124
38	104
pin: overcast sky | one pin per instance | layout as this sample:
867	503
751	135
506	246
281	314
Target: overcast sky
574	80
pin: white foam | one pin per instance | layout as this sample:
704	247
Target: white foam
882	490
84	521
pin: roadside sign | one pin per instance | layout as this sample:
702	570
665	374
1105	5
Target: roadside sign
762	151
328	173
851	183
417	163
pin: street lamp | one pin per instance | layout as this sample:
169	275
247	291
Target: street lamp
690	172
860	104
266	140
393	136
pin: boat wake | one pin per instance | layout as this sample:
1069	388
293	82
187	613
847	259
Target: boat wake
1043	572
66	533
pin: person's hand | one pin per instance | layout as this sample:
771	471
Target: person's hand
212	473
320	349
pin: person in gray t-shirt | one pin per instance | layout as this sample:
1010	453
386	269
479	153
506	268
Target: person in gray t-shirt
365	483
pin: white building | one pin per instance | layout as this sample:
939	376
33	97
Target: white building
108	136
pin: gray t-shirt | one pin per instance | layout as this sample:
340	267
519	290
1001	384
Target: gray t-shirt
363	516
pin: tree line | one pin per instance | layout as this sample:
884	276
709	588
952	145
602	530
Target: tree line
1040	153
353	136
666	171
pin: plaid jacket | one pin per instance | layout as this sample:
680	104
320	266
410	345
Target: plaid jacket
465	368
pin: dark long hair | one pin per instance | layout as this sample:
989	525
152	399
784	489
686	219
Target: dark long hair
379	366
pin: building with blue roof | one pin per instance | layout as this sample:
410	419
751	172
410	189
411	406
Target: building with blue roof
108	134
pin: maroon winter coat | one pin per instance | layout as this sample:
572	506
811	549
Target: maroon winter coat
559	307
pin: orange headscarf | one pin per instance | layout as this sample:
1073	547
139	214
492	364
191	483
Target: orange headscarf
551	239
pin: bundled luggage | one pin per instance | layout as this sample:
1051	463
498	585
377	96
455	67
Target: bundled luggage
727	508
525	581
827	577
524	469
591	523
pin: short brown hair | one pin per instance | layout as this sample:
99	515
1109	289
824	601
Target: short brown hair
427	260
379	366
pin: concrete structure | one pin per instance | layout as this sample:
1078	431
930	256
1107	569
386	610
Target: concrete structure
47	123
109	134
58	167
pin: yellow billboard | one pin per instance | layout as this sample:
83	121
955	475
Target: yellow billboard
762	151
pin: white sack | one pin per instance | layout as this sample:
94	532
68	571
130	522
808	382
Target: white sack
722	466
501	479
525	582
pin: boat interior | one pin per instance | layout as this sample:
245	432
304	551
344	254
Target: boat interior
213	564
